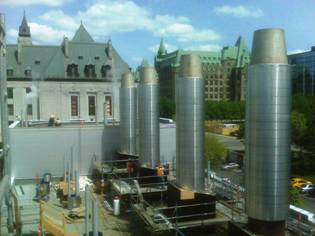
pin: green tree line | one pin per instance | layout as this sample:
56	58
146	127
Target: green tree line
302	116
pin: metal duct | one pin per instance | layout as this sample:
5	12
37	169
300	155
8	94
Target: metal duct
128	115
267	142
149	127
190	125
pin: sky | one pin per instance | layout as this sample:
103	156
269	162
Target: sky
136	27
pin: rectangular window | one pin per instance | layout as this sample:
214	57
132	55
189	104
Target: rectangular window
92	105
74	103
10	109
29	109
10	93
108	106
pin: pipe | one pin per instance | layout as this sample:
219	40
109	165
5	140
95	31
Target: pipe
86	221
69	183
18	222
77	183
190	125
95	218
4	187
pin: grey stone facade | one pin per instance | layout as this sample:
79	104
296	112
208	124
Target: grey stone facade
77	80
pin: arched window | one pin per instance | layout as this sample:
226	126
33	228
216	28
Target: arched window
72	70
89	71
106	72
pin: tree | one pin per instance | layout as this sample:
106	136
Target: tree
215	152
298	126
295	198
167	107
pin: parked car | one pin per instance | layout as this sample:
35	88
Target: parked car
304	188
298	182
230	165
311	192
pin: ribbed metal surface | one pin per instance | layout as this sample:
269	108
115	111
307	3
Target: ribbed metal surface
128	120
268	107
190	133
149	130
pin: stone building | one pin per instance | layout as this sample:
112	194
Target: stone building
224	71
78	80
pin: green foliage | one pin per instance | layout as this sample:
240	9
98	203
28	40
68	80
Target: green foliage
298	126
215	151
167	107
241	132
304	105
295	198
1	145
224	110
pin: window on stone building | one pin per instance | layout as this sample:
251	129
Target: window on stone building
28	72
9	72
80	57
74	106
10	93
10	109
72	70
37	62
92	105
89	71
28	90
108	112
29	109
106	72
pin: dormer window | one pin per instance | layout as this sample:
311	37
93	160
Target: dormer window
28	72
106	72
72	70
37	61
9	72
89	71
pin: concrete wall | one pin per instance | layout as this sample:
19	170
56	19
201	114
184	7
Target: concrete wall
36	151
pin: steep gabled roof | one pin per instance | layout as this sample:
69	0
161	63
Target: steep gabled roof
24	29
82	36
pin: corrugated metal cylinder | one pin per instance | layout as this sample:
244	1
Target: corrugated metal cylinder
149	127
190	125
267	142
128	115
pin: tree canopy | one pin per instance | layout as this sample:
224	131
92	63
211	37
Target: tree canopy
215	151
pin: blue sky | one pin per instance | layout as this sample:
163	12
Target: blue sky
136	27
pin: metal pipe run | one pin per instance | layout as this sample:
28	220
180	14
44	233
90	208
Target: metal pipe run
128	95
267	129
4	187
190	125
149	126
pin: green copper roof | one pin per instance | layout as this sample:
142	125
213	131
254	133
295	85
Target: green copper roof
145	63
162	49
82	36
24	29
238	52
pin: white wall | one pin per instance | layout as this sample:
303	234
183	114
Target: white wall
36	151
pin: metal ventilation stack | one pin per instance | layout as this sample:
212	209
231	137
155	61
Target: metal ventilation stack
190	125
149	126
128	115
268	107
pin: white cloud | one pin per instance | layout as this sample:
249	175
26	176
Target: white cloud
206	47
169	48
105	17
13	33
46	34
52	3
239	11
137	59
296	51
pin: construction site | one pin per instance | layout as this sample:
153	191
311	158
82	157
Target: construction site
138	176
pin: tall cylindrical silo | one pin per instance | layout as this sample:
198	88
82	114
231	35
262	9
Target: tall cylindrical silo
128	114
267	141
149	126
190	124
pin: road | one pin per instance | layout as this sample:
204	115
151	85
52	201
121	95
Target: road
238	179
